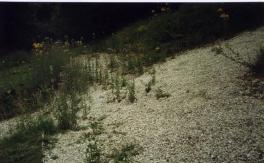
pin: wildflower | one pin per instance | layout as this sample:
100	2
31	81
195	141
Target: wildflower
37	45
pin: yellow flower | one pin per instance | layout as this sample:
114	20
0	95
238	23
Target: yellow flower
37	45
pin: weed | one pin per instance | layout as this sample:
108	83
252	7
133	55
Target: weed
93	153
66	108
97	128
113	64
161	94
76	78
153	76
123	82
148	87
46	67
117	88
125	154
85	112
217	50
131	92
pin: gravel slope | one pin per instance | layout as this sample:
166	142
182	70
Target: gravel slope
207	118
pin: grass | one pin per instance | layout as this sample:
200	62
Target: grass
255	65
66	108
154	39
93	152
27	142
152	81
33	81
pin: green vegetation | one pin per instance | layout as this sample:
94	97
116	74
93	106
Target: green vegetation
165	34
151	82
66	108
32	84
53	70
93	153
125	154
28	140
131	92
161	94
255	65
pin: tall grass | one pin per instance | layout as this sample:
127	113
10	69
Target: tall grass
28	140
163	35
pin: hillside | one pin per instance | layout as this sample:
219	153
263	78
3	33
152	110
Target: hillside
178	86
208	115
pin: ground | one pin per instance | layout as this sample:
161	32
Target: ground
206	117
